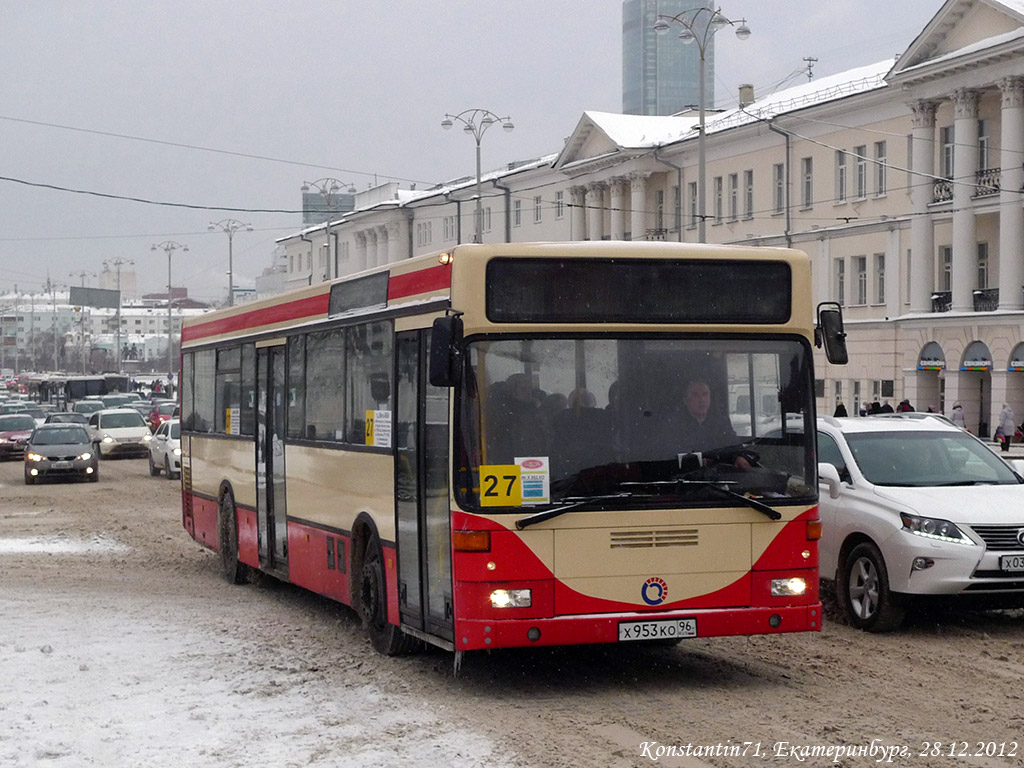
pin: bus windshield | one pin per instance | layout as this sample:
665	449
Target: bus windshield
635	420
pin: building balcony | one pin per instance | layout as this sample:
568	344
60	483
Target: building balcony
942	191
986	300
942	301
987	182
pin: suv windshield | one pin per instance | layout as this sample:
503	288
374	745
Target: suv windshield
647	421
927	459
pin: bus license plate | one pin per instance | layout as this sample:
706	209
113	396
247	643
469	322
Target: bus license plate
666	629
1011	563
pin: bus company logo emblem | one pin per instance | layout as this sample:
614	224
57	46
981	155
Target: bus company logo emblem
654	591
1020	536
532	464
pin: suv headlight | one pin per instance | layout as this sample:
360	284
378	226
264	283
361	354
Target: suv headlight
934	528
33	457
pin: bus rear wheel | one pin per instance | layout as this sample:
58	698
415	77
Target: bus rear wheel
386	638
227	540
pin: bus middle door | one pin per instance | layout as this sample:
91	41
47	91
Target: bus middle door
270	469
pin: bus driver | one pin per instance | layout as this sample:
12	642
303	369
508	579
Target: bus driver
703	429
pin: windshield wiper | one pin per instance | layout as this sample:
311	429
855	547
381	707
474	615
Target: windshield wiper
719	485
577	502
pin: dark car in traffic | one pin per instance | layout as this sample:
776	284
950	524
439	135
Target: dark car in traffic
61	450
15	430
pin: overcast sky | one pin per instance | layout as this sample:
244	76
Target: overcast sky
234	104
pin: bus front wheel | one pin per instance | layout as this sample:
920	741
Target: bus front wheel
386	638
227	540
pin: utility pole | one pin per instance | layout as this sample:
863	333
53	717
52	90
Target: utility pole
117	263
811	61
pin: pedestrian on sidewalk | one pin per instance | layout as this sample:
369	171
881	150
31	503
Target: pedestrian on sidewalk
1007	426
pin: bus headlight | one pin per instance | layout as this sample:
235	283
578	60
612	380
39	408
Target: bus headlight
511	598
789	587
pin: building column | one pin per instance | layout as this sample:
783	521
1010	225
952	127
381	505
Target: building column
360	262
595	210
1011	181
922	186
617	201
396	247
577	213
638	205
371	248
383	245
965	167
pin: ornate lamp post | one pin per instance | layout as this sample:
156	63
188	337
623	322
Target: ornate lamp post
117	264
699	26
329	188
230	226
475	122
169	247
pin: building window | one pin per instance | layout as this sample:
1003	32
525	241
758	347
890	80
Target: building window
839	271
862	171
779	183
946	265
691	204
748	194
880	162
559	204
659	209
948	146
487	219
449	227
982	266
983	145
880	278
538	208
860	269
423	234
718	199
677	213
840	176
517	212
807	182
734	196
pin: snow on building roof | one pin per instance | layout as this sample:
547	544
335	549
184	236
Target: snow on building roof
643	131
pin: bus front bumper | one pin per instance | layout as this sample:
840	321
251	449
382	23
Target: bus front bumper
477	634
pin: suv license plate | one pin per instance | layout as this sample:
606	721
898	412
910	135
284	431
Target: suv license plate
665	629
1011	563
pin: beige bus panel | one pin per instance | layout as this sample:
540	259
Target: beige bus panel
331	487
213	461
679	587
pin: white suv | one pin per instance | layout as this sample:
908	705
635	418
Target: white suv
916	509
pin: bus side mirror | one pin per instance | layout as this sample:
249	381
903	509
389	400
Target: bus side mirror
830	334
445	351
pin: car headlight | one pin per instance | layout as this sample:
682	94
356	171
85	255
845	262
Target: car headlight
146	438
85	456
3	439
177	451
33	457
108	439
934	528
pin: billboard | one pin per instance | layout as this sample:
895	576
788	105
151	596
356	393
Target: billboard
95	297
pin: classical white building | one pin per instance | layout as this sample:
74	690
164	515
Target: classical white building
901	179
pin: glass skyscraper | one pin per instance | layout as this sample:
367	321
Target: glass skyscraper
660	73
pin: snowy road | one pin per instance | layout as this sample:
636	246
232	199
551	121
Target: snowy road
121	646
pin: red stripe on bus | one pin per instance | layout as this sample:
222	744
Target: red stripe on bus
293	310
421	281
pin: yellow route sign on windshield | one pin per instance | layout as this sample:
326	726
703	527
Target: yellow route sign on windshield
500	485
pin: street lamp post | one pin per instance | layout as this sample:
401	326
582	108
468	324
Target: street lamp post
230	226
476	122
117	264
328	188
169	247
699	26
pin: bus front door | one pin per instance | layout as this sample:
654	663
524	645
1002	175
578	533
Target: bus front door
270	486
421	492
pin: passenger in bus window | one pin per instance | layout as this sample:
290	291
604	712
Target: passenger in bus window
515	425
705	428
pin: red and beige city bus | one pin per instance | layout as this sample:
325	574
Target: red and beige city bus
521	444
